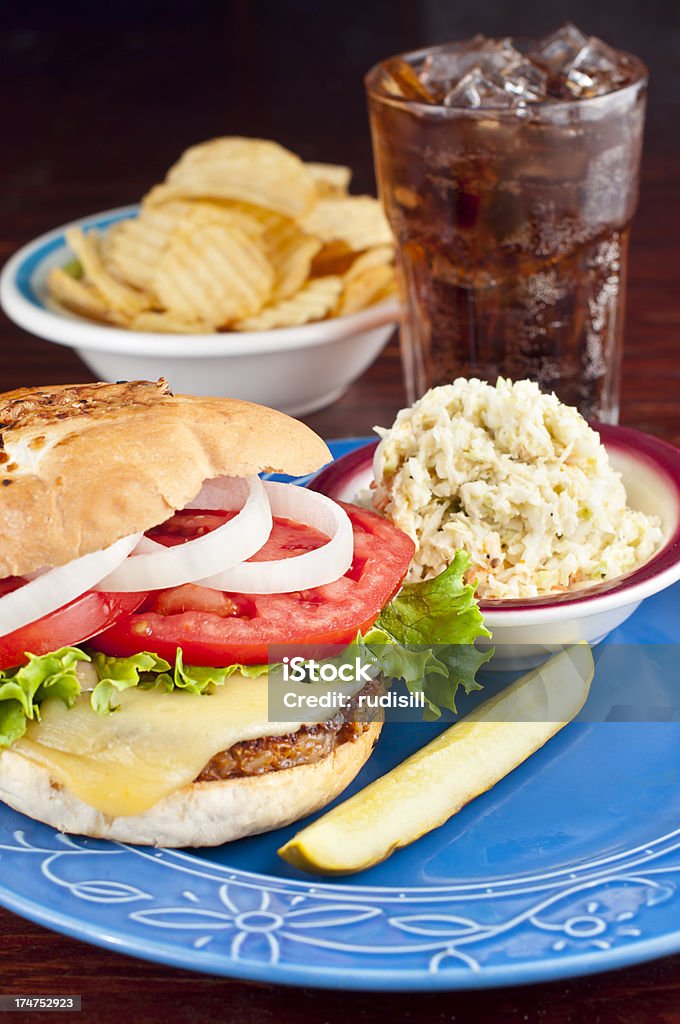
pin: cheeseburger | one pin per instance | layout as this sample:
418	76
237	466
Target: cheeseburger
145	571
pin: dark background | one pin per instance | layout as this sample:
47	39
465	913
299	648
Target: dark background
97	99
119	89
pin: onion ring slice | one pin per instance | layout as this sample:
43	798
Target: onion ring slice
53	588
156	567
301	572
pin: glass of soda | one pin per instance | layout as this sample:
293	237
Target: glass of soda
509	172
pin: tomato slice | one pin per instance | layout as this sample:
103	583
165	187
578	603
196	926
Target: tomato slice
215	628
77	621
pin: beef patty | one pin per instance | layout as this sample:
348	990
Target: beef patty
310	743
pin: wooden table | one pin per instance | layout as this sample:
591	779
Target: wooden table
96	106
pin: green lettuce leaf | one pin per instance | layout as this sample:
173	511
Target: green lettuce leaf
442	610
23	689
426	636
197	678
149	671
118	674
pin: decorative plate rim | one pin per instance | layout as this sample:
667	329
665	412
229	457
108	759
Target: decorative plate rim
655	884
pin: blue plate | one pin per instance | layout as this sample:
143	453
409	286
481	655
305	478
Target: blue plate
568	866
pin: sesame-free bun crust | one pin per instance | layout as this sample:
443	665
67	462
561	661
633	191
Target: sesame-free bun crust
83	465
201	814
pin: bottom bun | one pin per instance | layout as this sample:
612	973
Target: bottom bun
201	814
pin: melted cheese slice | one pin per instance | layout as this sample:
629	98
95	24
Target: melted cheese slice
154	744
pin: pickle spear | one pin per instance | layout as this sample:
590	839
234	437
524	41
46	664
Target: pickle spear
433	784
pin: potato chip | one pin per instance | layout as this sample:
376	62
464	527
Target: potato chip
290	251
381	256
387	292
80	298
364	288
333	258
267	220
313	302
118	296
201	213
251	170
330	179
131	249
212	272
169	211
164	322
358	221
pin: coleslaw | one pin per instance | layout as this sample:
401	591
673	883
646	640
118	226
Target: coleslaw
515	478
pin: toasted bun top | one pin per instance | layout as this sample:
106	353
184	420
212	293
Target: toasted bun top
83	465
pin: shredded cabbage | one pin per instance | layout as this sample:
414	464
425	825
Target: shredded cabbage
516	479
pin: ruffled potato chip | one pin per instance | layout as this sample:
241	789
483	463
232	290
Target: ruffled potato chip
330	179
365	288
212	272
131	249
251	170
313	302
290	251
332	258
81	298
119	297
170	323
200	214
169	211
381	256
358	221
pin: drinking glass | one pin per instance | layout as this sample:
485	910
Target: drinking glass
511	223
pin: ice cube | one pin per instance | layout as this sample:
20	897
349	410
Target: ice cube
476	90
597	69
525	81
499	56
559	49
441	70
504	65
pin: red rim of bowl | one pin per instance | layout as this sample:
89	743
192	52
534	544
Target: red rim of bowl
658	455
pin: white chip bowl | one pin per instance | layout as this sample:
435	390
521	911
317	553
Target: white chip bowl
295	369
525	629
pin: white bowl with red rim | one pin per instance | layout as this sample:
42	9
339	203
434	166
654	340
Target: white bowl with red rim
523	627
